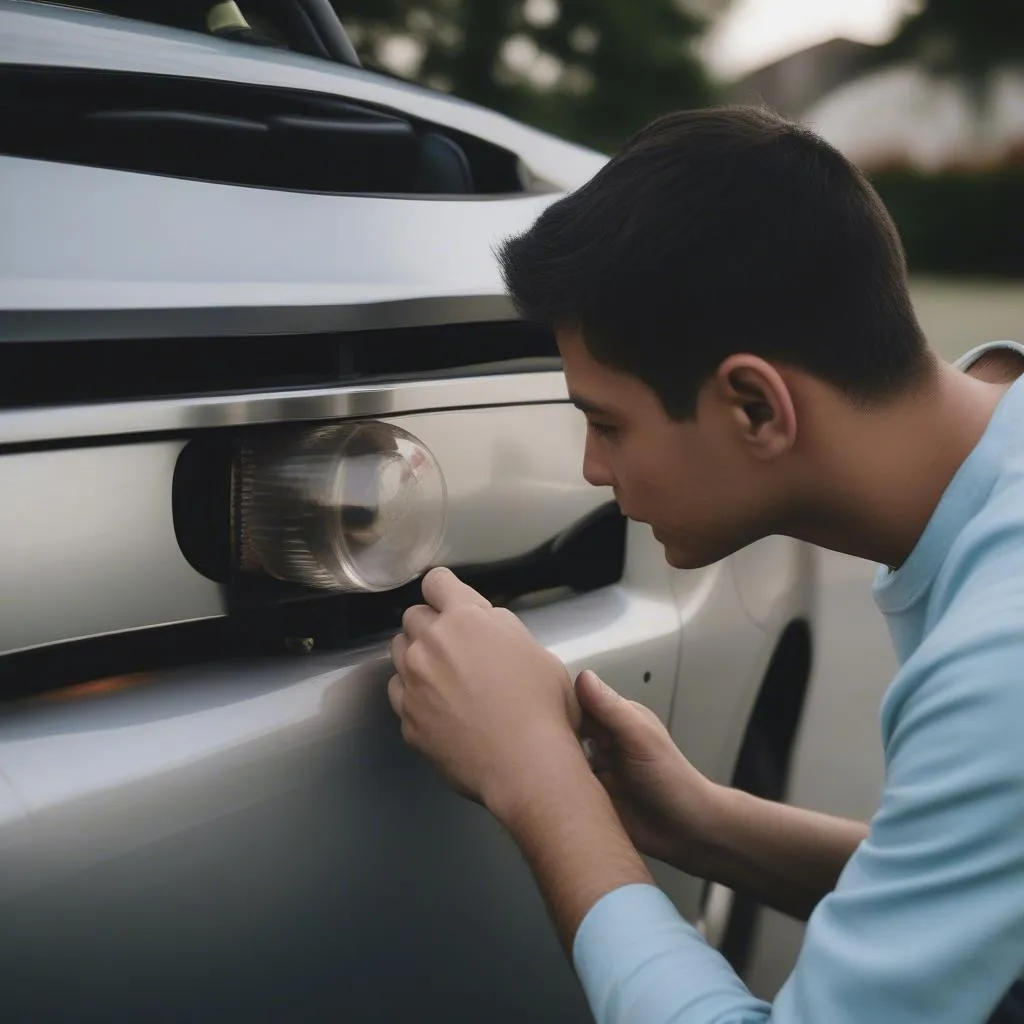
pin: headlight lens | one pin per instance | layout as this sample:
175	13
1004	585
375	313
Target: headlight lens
351	506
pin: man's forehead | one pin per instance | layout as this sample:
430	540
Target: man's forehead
580	366
589	405
594	387
570	341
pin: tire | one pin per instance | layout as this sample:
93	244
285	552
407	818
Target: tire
728	919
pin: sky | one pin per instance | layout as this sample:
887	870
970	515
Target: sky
749	34
755	32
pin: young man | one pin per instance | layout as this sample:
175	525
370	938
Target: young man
730	301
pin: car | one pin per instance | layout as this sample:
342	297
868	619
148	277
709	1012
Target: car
258	371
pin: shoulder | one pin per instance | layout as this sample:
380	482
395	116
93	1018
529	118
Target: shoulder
970	662
983	573
963	688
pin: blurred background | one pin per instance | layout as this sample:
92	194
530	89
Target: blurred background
927	96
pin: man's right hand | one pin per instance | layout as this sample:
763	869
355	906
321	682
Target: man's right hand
664	803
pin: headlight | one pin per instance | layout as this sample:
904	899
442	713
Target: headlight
351	506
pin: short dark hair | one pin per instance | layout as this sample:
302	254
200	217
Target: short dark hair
719	231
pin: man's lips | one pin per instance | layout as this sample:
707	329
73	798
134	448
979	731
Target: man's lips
624	511
633	518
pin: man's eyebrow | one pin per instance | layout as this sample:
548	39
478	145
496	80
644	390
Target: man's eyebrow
589	407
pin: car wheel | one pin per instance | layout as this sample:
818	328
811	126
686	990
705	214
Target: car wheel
728	919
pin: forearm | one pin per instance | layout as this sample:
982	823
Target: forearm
789	858
567	829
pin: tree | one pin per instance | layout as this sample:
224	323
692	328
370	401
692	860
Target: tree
590	70
970	38
960	219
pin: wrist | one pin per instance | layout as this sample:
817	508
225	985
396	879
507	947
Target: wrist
556	764
702	829
715	845
564	824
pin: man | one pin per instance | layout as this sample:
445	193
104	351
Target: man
730	302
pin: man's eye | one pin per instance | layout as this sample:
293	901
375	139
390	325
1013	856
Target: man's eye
604	430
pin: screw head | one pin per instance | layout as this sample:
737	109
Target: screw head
300	644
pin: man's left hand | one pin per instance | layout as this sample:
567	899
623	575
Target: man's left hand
478	695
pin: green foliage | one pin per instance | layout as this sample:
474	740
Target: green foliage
966	37
589	70
958	222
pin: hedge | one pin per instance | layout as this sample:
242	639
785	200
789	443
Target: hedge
959	222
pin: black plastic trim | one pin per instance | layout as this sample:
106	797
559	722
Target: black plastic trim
331	31
589	555
73	373
45	325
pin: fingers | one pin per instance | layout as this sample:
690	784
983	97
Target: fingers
417	620
602	704
399	651
605	773
593	691
592	728
396	694
511	620
443	590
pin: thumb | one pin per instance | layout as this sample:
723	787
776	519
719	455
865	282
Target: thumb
601	702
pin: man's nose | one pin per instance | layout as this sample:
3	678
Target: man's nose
595	469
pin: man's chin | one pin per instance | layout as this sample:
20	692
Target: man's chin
683	558
677	557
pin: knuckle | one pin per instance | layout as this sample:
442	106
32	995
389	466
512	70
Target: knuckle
397	648
395	692
509	618
417	660
459	620
467	612
476	613
411	616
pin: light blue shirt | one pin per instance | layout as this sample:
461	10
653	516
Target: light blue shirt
926	923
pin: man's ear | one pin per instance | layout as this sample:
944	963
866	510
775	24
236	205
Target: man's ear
759	404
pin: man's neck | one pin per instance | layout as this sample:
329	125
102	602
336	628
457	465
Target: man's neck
894	463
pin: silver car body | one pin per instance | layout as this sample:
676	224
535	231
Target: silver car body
248	838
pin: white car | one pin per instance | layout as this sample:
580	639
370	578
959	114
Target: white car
254	352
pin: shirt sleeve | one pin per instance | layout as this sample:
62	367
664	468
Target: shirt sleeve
926	925
639	961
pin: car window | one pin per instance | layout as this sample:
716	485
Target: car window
275	23
237	133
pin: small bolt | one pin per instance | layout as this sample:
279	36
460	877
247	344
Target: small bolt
299	644
647	677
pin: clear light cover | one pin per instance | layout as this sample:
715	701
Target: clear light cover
351	506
